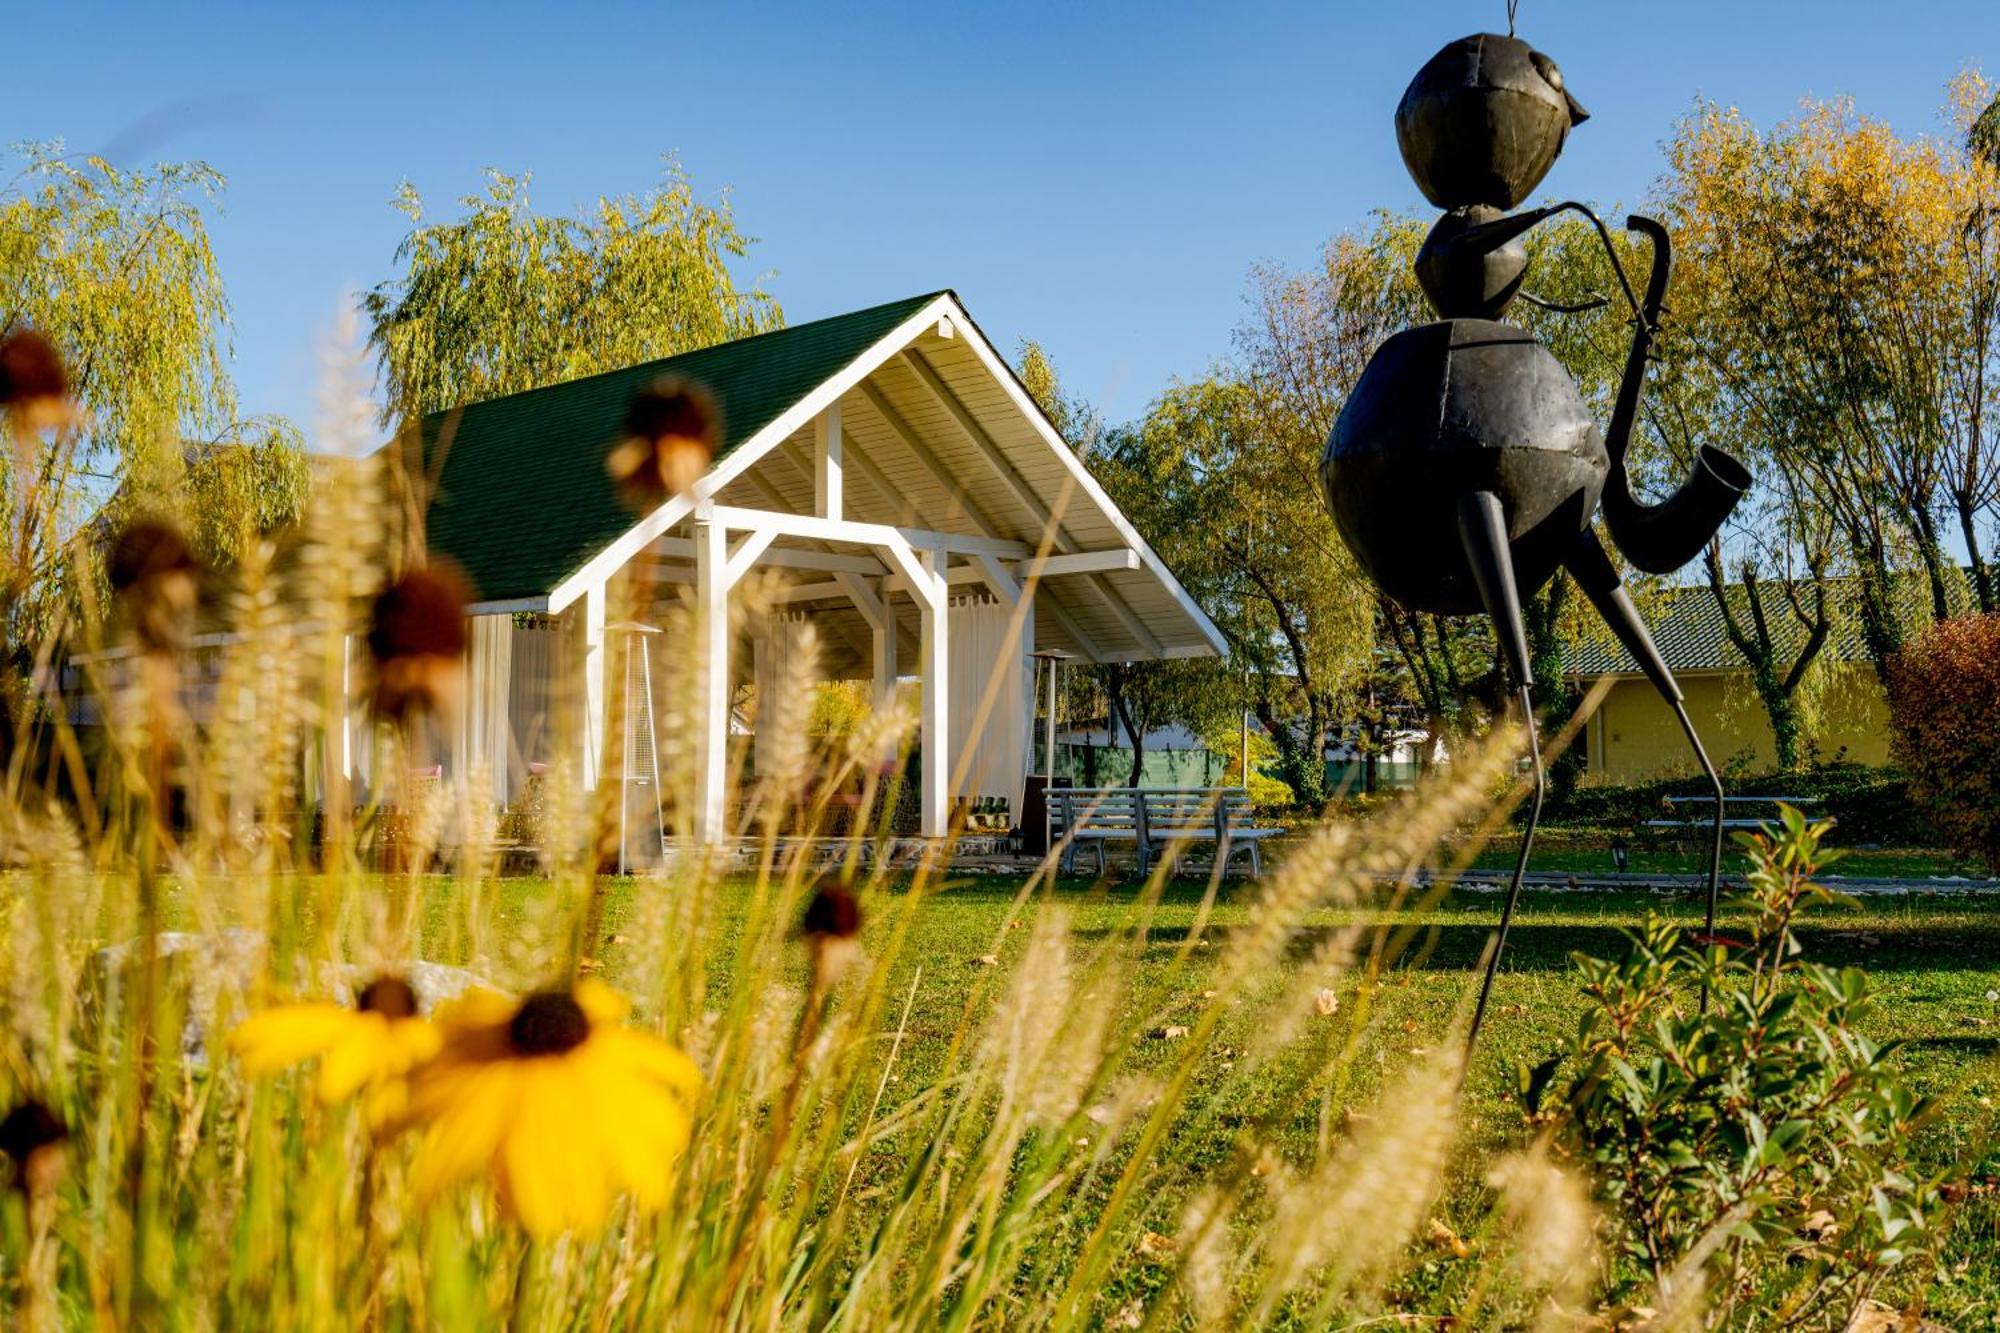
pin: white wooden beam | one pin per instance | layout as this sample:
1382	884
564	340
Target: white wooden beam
745	555
511	606
814	528
1000	579
784	557
1086	562
593	684
894	500
712	654
830	590
614	555
828	447
935	719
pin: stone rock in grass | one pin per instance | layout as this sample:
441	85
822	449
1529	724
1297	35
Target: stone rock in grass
207	977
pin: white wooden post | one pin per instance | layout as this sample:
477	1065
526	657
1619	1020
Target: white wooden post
1017	799
935	725
593	683
711	559
828	460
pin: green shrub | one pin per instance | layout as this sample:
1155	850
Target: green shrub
1867	805
1761	1140
1944	694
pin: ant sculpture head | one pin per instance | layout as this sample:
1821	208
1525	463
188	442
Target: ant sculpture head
1483	122
1479	127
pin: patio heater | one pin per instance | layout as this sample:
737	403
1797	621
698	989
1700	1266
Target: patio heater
1035	797
639	772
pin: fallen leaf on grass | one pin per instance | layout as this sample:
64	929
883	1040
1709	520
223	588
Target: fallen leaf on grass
1326	1001
1171	1032
1442	1236
1153	1245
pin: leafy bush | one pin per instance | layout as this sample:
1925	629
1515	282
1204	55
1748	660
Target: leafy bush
1944	692
1757	1139
1867	805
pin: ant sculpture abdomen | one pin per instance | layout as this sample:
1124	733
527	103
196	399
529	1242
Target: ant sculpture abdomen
1465	470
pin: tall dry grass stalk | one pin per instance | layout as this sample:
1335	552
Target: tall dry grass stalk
869	1151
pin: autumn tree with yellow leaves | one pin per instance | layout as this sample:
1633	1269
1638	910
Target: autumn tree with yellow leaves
1839	288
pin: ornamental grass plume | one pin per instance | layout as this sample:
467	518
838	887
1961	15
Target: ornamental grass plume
1347	1222
670	437
368	1049
1551	1227
416	636
553	1101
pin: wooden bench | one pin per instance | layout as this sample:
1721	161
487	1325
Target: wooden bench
1157	821
1740	822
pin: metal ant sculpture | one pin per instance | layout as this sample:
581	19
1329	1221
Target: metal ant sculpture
1465	469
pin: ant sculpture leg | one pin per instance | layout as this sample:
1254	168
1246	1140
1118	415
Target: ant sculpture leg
1595	574
1482	530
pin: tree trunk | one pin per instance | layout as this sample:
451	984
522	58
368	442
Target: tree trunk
1881	627
1932	553
1133	734
1968	525
1290	760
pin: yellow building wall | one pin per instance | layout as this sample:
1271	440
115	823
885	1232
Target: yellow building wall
1634	736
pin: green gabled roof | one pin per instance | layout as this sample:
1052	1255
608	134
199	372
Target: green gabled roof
1688	628
523	500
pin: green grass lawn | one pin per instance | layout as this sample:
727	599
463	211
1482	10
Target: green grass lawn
1935	961
1589	852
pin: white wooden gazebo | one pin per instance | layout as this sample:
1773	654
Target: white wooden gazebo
887	461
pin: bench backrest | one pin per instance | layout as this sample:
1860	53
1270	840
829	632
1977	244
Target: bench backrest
1095	810
1151	809
1194	809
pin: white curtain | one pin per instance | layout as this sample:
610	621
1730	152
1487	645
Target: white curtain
773	650
483	731
527	702
979	652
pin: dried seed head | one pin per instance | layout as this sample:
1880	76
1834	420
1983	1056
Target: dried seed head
670	437
157	578
416	635
548	1023
34	1138
391	997
34	387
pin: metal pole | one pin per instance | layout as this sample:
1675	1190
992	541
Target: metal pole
1049	731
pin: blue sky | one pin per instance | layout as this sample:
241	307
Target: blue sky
1097	176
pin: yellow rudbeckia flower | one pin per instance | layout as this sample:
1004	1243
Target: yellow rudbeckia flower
370	1047
556	1103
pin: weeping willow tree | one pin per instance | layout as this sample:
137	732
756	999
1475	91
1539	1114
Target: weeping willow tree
504	298
113	267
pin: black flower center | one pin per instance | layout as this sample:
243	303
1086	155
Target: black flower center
548	1024
390	997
